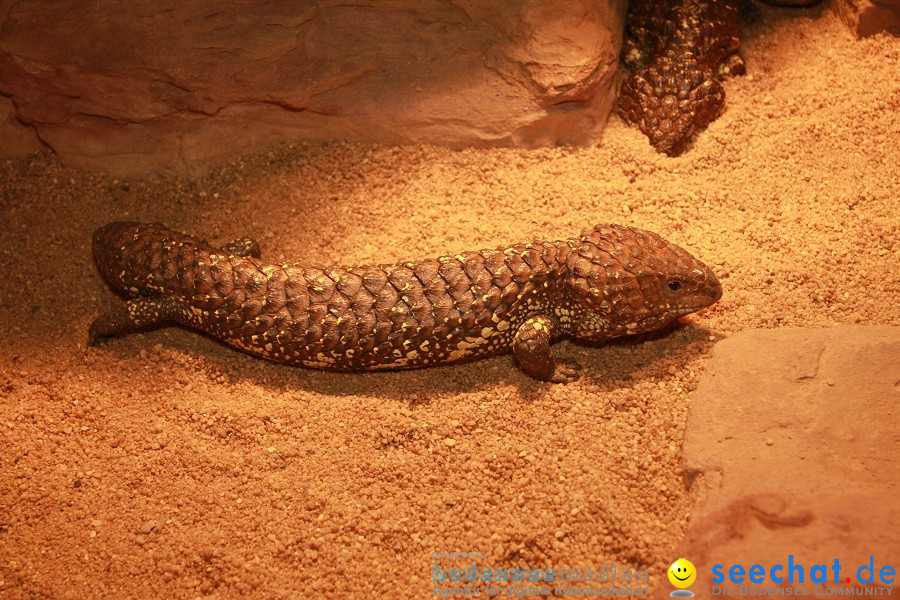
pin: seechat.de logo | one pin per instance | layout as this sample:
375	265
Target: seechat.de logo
794	573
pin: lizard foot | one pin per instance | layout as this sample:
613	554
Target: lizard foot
566	371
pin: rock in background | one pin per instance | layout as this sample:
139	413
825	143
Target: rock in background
15	138
149	86
868	17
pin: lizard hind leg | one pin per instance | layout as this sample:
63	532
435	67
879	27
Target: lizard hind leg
244	247
133	315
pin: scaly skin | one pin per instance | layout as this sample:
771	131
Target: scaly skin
676	50
610	281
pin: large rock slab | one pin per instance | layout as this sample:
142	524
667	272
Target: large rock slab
792	448
174	85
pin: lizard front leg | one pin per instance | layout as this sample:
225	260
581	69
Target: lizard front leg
532	349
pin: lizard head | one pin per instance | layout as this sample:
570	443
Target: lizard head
622	280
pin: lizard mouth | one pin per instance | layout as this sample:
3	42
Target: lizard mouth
709	294
692	307
678	313
695	304
659	320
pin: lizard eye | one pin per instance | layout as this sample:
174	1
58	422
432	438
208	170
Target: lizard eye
674	285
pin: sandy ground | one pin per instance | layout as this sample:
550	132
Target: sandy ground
166	464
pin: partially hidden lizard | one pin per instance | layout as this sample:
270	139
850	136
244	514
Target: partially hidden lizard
676	51
608	282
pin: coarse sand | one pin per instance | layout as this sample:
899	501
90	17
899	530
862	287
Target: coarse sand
166	464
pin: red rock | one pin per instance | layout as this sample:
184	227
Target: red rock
868	17
791	448
17	138
790	2
175	86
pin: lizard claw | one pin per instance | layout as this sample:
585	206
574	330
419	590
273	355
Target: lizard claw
567	371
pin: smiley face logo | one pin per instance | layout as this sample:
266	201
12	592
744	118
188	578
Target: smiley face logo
682	573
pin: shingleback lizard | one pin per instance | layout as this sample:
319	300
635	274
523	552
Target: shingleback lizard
608	282
676	51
